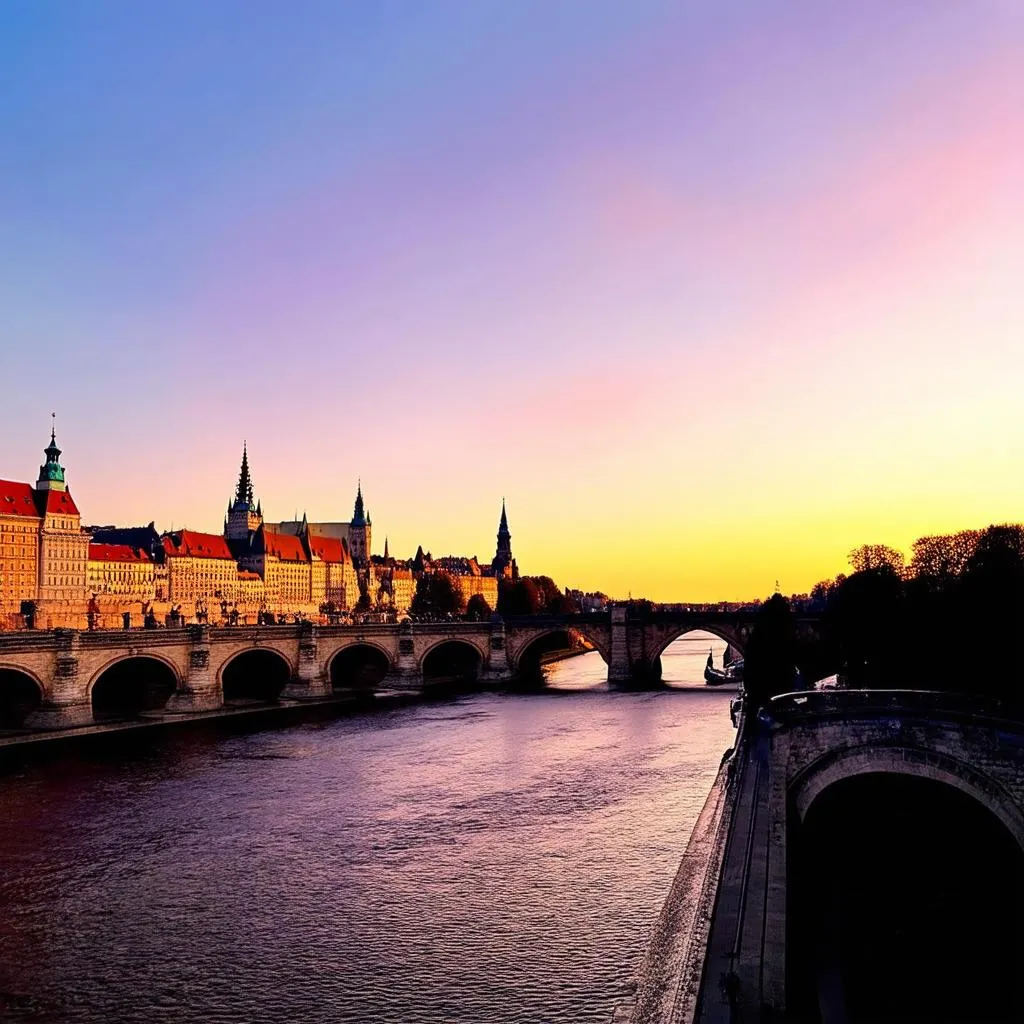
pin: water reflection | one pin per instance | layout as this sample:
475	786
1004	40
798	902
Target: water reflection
682	665
491	859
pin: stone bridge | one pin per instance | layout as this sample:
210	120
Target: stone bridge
65	677
861	857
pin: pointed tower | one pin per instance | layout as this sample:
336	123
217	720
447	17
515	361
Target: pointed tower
386	556
245	516
359	530
504	564
63	552
359	512
51	472
243	492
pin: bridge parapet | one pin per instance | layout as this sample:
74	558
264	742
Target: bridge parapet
802	746
790	708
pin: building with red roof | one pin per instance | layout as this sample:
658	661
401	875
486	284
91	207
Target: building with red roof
44	552
333	575
284	564
19	549
121	572
201	571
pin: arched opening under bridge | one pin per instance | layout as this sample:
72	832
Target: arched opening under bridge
359	667
256	676
682	661
561	660
906	903
452	663
19	697
132	686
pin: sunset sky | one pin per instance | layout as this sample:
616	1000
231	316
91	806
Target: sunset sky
710	292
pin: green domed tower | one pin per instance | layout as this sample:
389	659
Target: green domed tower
51	473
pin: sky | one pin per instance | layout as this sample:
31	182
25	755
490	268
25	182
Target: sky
710	292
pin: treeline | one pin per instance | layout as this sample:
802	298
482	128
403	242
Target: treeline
951	618
439	595
533	595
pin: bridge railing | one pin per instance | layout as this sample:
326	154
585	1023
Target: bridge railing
788	707
27	640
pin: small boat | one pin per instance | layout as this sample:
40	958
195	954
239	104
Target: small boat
731	673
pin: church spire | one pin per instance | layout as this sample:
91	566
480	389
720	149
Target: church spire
359	513
385	549
243	493
504	564
51	473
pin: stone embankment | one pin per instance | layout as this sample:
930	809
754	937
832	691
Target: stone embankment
666	985
17	745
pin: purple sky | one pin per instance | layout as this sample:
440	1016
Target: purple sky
712	292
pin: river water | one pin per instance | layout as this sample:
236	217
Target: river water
492	858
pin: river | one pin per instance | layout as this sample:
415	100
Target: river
492	858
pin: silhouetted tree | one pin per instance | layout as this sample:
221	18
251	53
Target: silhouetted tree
477	608
438	593
770	662
991	604
640	606
865	619
547	590
877	556
518	597
941	559
919	626
562	604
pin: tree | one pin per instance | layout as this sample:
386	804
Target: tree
770	663
942	558
547	589
562	604
518	597
477	608
865	618
877	556
438	593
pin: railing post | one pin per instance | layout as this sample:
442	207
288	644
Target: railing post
66	704
200	691
309	682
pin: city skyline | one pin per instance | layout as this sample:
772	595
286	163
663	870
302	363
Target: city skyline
712	294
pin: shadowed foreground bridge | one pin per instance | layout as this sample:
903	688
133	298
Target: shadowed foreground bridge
68	678
860	858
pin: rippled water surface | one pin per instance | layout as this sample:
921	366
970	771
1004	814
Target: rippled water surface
494	858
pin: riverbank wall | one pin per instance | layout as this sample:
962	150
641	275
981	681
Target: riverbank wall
667	982
58	742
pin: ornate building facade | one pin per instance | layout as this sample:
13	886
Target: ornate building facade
19	550
55	573
127	574
44	552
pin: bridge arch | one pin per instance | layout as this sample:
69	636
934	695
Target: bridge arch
525	659
899	861
834	767
360	665
518	648
452	660
257	674
723	633
21	693
130	684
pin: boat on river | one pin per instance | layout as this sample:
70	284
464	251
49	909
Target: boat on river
730	672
